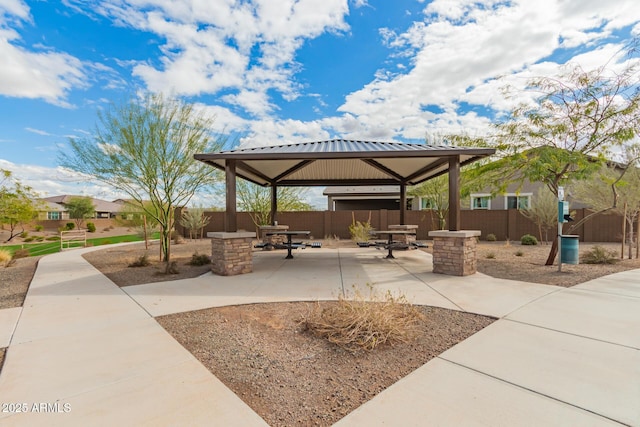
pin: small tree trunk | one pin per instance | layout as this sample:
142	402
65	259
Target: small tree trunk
638	235
146	237
553	252
630	250
624	231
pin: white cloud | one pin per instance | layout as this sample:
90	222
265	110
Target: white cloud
47	181
38	131
463	47
210	46
33	74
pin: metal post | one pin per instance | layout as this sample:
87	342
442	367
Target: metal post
454	193
231	224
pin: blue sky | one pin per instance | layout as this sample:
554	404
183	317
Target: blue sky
283	71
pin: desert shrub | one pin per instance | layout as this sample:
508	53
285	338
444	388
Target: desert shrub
360	231
519	253
199	259
38	228
91	227
599	255
491	237
355	324
29	239
5	257
24	234
70	226
490	255
21	253
141	261
528	239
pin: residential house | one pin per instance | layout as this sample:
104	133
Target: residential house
364	197
103	208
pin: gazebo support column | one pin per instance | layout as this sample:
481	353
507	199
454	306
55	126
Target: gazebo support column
230	219
454	250
230	250
454	193
231	253
403	201
274	204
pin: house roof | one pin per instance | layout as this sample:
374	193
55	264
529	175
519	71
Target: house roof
99	205
343	162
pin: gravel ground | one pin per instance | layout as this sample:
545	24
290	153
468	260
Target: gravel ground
114	262
287	376
291	378
15	281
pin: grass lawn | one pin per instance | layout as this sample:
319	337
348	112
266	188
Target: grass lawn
51	247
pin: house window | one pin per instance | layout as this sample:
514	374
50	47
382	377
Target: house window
53	215
427	203
480	202
518	202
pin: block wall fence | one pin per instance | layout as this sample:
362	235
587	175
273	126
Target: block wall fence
504	224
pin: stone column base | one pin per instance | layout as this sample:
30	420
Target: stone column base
272	240
454	252
231	253
406	239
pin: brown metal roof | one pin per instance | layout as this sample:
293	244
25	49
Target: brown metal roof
343	162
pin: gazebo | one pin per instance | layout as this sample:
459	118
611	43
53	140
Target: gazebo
343	162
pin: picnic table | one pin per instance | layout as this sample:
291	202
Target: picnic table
390	243
289	243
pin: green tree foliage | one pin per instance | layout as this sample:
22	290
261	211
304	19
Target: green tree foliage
257	200
80	208
194	220
614	189
17	206
472	177
145	147
565	134
544	212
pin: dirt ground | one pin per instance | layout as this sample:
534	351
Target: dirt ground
290	377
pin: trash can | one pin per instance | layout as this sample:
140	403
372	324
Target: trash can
569	253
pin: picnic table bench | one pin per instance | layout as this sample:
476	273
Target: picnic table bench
289	244
390	245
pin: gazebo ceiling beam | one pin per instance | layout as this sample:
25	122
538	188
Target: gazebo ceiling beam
433	166
293	169
384	169
336	182
242	166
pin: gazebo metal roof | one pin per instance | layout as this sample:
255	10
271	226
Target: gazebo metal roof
343	162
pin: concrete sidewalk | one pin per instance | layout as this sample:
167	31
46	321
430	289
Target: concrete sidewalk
556	356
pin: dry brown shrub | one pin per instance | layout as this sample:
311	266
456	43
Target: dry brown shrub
5	257
357	324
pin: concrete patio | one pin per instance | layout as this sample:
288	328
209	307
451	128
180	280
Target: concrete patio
556	356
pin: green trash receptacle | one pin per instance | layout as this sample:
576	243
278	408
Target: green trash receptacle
569	253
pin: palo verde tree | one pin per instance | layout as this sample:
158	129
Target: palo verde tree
480	174
575	120
256	200
615	189
80	208
144	148
17	204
